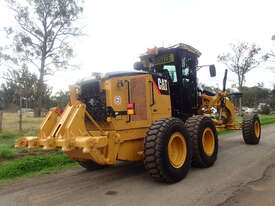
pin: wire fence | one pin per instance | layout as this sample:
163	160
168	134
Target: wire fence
10	121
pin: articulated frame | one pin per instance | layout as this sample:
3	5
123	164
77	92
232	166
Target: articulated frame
225	111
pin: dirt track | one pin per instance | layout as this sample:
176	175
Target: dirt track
242	175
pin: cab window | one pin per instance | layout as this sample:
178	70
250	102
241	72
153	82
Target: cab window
185	69
172	72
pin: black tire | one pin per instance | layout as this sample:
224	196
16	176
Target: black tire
249	128
90	165
156	157
196	127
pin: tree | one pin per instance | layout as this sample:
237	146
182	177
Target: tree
61	99
252	96
21	83
272	104
265	109
42	37
242	58
270	56
18	83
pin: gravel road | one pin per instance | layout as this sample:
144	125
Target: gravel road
242	175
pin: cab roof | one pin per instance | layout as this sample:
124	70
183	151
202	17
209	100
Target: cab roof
156	51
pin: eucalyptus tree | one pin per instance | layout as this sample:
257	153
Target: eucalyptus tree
41	37
241	59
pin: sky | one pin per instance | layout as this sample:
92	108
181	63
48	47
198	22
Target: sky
119	31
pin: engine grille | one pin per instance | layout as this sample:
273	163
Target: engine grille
95	99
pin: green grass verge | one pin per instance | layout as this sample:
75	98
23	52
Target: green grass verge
264	119
18	163
7	153
267	119
7	140
34	165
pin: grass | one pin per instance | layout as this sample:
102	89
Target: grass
34	165
264	119
19	163
267	119
6	153
7	140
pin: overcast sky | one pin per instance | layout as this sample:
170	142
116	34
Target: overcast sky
119	31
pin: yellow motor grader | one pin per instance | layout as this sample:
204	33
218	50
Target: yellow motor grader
157	114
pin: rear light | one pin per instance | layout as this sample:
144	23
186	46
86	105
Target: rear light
131	106
130	112
131	109
59	111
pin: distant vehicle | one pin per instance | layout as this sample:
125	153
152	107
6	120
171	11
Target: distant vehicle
29	111
261	105
250	110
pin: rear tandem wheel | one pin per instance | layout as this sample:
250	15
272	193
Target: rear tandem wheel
204	139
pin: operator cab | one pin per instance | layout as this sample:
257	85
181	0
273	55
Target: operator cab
178	65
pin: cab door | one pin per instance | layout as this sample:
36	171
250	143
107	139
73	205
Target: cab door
188	81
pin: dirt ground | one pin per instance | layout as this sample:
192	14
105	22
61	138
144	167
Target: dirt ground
242	175
259	192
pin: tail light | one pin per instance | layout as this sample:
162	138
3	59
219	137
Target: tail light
60	111
131	109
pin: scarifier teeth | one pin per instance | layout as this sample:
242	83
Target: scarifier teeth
68	145
22	142
31	142
49	144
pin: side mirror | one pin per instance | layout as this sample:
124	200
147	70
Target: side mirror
212	70
138	66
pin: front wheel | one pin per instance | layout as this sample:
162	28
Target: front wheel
167	150
251	128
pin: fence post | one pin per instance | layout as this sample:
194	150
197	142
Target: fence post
20	115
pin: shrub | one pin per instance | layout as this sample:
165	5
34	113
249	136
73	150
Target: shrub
265	109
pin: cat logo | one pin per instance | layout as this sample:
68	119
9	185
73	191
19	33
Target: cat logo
162	84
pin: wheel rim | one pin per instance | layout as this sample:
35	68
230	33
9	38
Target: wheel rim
208	141
177	150
257	128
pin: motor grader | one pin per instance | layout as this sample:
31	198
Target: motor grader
157	114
